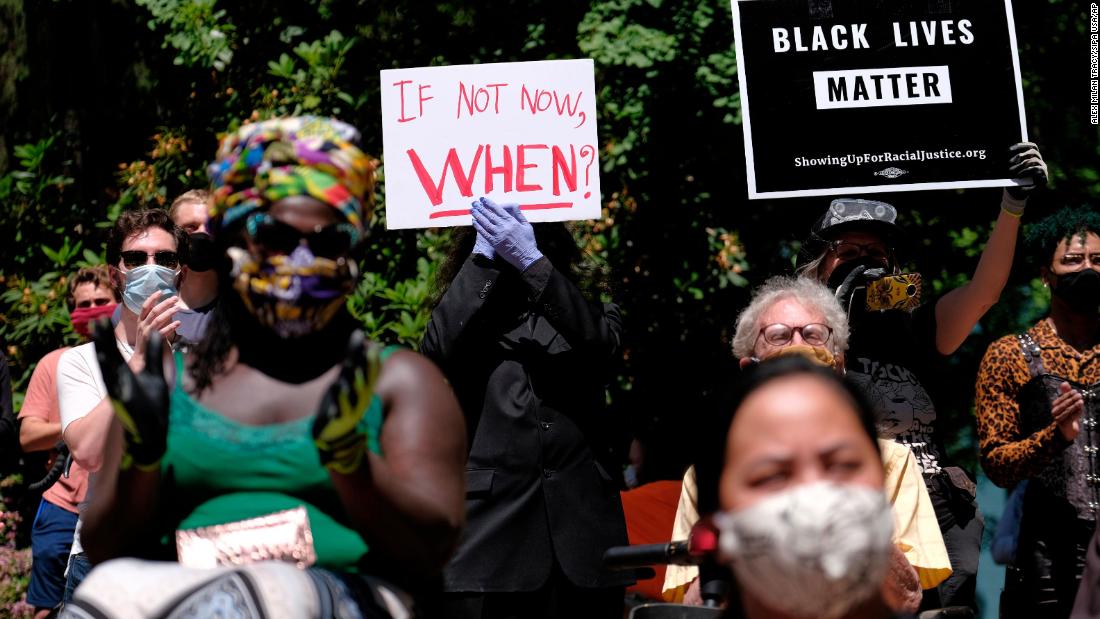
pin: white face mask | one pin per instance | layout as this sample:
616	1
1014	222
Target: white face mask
143	281
815	551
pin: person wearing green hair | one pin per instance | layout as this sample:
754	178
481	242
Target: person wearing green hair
1037	417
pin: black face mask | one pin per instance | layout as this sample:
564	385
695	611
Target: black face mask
203	255
1080	289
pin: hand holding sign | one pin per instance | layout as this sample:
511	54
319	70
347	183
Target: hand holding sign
482	245
1026	162
521	132
508	231
939	84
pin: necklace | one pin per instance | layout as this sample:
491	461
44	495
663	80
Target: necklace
124	346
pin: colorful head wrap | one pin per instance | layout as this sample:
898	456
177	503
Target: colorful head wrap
267	161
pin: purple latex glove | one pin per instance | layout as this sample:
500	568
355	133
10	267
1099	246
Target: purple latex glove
508	231
482	245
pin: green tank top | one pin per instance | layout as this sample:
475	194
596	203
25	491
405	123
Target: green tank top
219	471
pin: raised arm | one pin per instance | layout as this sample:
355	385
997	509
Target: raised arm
125	492
959	310
407	501
588	326
454	319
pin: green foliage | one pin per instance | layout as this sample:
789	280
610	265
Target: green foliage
395	311
306	86
33	315
15	562
198	32
32	194
677	239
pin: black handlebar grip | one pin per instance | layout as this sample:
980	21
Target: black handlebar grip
630	557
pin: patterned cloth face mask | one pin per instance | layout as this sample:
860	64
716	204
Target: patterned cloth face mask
815	551
815	354
292	294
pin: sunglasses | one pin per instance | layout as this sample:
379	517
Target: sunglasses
133	259
276	237
846	250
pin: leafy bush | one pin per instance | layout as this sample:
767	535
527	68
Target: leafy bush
162	79
15	563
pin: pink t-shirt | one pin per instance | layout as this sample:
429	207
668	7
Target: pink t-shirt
41	403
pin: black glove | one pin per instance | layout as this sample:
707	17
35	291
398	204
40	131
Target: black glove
341	439
140	401
1025	161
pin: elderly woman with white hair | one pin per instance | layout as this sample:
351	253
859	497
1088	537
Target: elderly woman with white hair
787	316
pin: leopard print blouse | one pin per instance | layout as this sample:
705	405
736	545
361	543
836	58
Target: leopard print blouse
1007	454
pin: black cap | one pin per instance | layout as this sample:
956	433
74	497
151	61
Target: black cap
845	214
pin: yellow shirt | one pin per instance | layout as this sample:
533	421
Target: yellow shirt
916	531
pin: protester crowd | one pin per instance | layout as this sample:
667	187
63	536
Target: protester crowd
230	444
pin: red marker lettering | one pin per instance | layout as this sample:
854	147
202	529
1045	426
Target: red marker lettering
478	98
504	170
563	104
420	93
401	85
464	178
521	166
568	170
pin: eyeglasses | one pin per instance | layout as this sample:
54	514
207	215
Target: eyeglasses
847	250
274	236
814	334
133	259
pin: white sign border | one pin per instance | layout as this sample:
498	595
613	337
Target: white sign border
750	169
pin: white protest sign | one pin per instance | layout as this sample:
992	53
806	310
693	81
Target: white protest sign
517	132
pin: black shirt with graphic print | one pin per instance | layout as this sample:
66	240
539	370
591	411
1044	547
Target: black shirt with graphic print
892	356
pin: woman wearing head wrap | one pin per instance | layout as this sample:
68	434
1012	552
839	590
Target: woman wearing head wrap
288	464
1038	414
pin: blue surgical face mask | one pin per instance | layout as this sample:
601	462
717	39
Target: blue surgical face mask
143	281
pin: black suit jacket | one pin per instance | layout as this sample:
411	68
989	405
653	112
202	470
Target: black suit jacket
528	357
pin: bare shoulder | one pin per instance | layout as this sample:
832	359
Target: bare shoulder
407	370
422	413
409	379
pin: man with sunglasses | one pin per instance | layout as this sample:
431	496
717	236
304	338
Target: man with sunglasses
145	247
798	316
897	356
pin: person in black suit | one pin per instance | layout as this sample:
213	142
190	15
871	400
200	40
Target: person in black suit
528	356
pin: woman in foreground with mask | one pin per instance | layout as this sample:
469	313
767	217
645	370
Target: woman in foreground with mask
1037	415
805	526
288	467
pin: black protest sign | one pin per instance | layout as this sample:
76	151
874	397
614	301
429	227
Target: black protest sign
864	96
